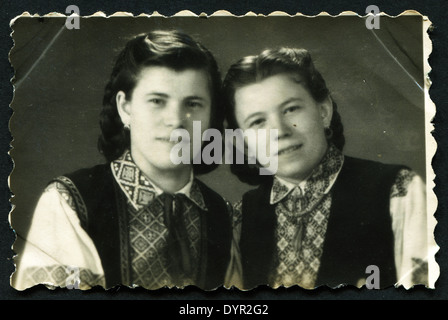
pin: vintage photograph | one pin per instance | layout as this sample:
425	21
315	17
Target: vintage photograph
222	151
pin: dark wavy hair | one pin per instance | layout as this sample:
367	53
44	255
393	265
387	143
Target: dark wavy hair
171	49
253	69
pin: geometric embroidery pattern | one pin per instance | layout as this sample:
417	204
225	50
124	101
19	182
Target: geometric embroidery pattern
59	276
148	239
302	218
419	271
69	192
148	232
299	244
317	184
237	215
400	187
148	235
138	188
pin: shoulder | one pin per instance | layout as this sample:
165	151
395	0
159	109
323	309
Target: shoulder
406	180
370	165
89	174
369	170
78	187
82	178
57	197
58	205
66	190
401	177
88	181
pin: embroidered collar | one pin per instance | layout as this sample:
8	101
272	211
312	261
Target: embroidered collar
317	184
140	190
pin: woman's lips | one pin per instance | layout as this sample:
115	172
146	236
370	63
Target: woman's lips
165	139
169	141
288	150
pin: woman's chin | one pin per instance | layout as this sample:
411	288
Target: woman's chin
292	172
170	166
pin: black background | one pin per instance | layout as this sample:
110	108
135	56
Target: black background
435	10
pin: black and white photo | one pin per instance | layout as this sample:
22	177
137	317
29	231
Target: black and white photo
229	151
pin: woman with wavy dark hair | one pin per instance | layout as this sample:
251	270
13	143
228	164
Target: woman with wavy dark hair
322	218
140	219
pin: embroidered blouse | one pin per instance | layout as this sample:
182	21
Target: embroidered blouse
58	251
302	213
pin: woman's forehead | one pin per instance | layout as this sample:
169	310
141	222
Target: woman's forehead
167	80
270	91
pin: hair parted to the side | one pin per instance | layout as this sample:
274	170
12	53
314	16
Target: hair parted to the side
171	49
252	69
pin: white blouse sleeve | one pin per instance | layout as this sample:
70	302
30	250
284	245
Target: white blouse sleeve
57	251
414	246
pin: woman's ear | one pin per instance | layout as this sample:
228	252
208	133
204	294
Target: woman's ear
123	107
326	111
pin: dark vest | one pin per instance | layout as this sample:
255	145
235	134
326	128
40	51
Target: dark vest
359	231
105	221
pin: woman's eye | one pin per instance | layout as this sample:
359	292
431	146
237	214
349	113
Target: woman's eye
256	123
194	104
291	109
156	101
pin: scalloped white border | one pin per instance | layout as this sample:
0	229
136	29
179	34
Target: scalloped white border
430	108
431	148
218	13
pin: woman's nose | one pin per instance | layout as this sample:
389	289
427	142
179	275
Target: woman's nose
282	126
174	115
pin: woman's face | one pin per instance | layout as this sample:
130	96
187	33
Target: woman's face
164	100
282	102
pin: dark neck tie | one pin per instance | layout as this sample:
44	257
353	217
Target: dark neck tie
178	242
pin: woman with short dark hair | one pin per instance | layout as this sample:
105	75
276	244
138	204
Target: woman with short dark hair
322	218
